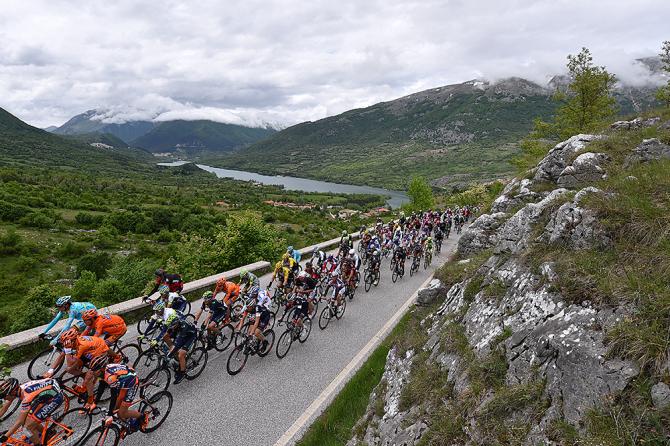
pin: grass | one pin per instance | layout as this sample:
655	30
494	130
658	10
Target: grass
427	384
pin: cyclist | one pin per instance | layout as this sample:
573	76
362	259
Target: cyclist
184	334
80	351
283	271
318	258
304	287
338	286
109	327
347	268
230	290
294	253
247	280
74	310
172	281
428	245
124	384
218	311
355	259
329	265
39	399
262	306
176	301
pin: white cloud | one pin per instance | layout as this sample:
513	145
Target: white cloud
288	60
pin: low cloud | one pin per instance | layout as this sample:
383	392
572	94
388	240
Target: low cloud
288	61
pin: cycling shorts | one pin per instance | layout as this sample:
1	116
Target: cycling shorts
301	307
128	390
185	339
264	318
217	316
42	407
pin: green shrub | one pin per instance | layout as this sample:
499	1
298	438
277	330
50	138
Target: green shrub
12	212
10	243
25	264
88	220
97	263
35	309
108	291
71	249
84	286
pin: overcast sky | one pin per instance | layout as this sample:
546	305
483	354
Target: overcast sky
293	60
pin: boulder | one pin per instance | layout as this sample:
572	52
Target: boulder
665	125
660	396
556	160
586	168
482	234
649	150
634	124
515	235
515	196
575	226
432	293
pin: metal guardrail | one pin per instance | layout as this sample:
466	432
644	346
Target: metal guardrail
30	336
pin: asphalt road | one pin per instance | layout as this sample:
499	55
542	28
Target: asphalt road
258	405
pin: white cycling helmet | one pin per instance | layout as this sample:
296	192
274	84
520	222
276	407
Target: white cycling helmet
352	252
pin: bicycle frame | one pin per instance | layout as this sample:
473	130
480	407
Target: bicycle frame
49	422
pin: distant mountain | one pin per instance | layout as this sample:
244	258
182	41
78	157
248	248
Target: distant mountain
51	128
190	137
24	145
85	123
453	135
99	138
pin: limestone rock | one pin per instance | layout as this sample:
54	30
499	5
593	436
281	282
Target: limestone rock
515	235
432	293
556	160
649	150
586	168
660	395
636	123
481	234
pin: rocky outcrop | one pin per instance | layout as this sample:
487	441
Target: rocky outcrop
649	150
510	316
634	124
552	165
587	168
482	234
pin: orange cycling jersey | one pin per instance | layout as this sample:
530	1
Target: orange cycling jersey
110	325
32	391
231	289
90	348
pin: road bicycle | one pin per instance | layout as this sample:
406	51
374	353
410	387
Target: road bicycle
332	310
428	258
297	328
398	269
416	262
157	406
158	357
65	427
249	346
371	276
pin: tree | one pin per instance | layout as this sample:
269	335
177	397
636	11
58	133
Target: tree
586	103
663	93
420	194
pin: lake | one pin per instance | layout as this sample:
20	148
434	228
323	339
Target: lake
395	198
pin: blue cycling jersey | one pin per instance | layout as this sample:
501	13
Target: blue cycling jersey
297	256
74	316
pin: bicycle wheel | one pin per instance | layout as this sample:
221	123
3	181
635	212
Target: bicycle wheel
368	282
187	309
239	336
284	344
224	338
377	278
42	363
306	329
324	317
237	359
157	381
129	354
143	323
270	337
146	363
395	275
196	362
76	424
103	436
16	402
339	312
158	407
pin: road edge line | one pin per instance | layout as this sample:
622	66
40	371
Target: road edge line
328	394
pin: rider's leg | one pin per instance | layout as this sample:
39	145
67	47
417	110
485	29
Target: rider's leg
35	428
181	354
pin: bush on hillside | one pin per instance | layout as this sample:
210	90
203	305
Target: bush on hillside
35	310
98	263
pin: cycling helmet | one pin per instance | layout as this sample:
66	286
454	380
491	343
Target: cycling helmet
208	295
253	291
89	315
163	289
159	306
63	300
289	250
221	282
7	387
98	363
352	252
303	275
344	233
243	273
286	256
159	272
69	337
